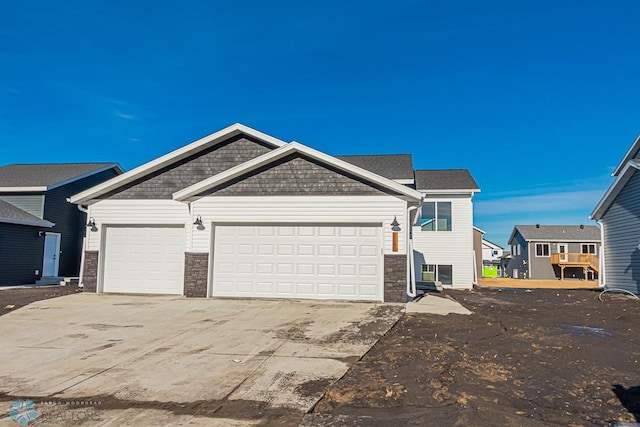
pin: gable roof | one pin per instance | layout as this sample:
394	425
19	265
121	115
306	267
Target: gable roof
47	176
172	157
10	214
616	187
491	244
632	153
293	147
398	167
557	233
445	180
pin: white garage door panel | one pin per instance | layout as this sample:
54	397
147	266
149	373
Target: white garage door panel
298	261
146	260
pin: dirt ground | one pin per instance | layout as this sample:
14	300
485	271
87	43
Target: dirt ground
540	358
12	299
504	282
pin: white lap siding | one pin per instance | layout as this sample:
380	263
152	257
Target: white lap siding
453	247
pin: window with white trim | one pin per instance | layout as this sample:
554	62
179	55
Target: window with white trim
442	273
542	249
436	216
588	248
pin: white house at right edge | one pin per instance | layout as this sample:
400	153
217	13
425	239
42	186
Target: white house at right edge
442	234
618	214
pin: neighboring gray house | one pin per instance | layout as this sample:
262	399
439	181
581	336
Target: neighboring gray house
618	214
40	231
554	252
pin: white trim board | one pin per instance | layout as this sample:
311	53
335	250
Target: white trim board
603	205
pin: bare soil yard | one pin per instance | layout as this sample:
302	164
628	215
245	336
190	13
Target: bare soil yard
13	298
504	282
549	357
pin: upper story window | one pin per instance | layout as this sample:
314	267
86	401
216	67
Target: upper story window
588	248
515	249
436	216
495	252
542	249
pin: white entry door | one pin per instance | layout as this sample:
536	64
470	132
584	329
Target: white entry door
327	261
51	258
563	250
144	259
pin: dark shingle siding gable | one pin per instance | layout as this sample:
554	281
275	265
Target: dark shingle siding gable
391	166
202	165
446	179
41	175
295	175
559	233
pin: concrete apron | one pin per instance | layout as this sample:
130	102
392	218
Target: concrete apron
154	353
432	304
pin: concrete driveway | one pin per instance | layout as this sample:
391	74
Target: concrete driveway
145	360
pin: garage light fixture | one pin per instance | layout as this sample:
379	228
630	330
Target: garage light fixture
199	223
91	223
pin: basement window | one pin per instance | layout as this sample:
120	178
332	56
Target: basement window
442	273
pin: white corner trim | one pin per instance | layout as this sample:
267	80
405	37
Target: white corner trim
281	152
42	223
613	191
172	157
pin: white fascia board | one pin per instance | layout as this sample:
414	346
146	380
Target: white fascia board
405	181
630	154
42	223
456	191
491	244
480	230
21	189
115	166
613	191
282	152
176	155
561	240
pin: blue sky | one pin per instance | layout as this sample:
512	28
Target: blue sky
539	99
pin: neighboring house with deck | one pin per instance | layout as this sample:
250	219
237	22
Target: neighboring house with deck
618	214
40	231
239	213
554	252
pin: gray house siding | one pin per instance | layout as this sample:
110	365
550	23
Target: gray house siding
69	221
622	237
540	266
519	262
191	170
21	250
32	203
295	175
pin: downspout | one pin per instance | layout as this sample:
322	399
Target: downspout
411	268
84	248
601	273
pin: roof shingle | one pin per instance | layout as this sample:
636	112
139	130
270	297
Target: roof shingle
44	175
391	166
14	215
445	179
586	233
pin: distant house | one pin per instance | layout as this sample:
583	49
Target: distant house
554	252
491	254
618	213
40	232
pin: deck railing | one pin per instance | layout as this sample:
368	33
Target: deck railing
566	258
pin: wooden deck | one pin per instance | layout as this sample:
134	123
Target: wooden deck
502	282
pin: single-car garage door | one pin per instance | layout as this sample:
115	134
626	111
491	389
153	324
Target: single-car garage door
146	259
298	261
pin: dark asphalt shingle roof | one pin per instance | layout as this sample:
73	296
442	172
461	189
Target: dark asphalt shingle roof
391	166
445	179
560	232
42	175
12	214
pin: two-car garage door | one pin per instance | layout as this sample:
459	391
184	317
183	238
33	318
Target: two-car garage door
329	261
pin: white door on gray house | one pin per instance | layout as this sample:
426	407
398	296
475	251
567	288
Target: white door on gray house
563	250
51	258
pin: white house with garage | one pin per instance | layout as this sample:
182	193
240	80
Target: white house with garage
242	214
